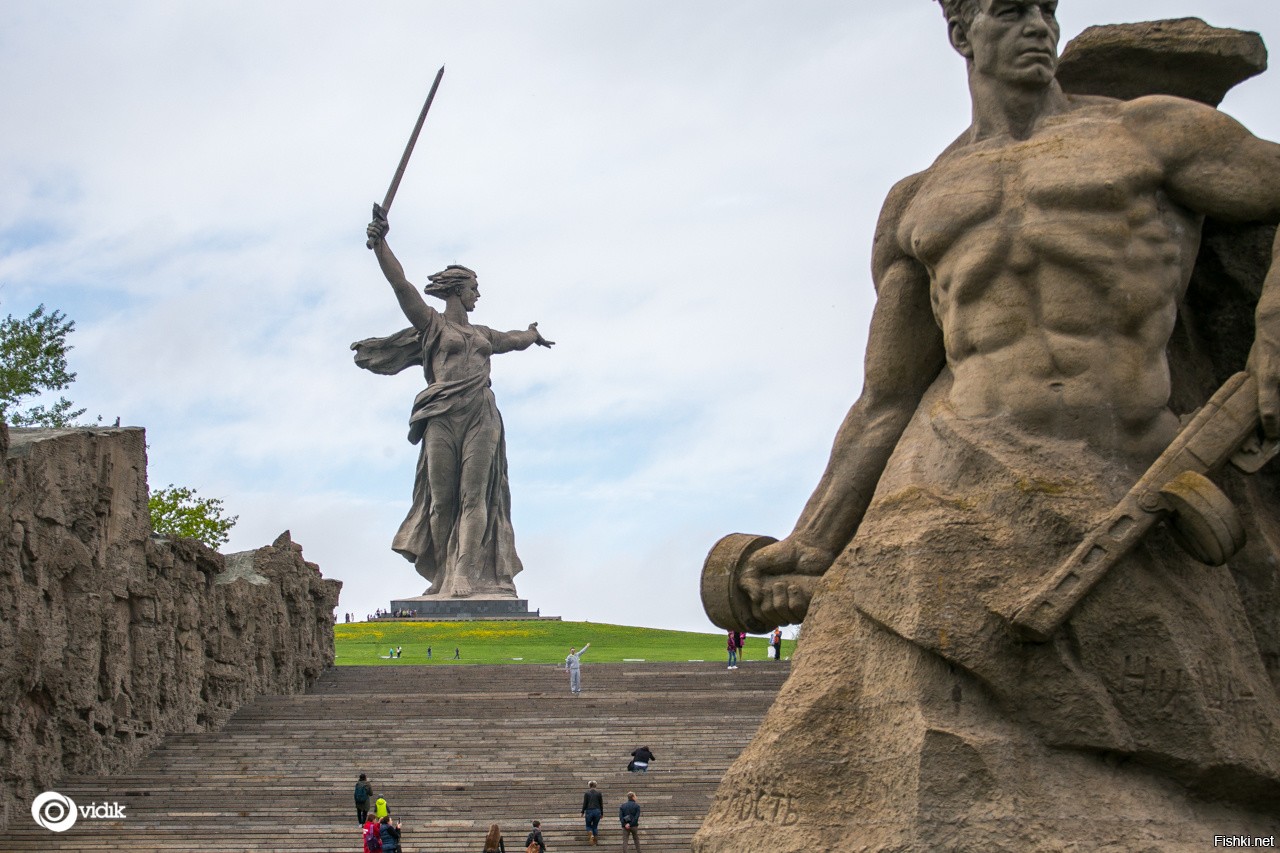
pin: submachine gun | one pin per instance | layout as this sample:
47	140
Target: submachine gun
1176	487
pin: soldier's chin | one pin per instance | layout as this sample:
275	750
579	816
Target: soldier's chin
1038	71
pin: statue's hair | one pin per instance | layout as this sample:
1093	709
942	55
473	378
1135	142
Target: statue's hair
448	280
963	11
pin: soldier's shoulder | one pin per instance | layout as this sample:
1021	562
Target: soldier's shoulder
1092	101
901	194
1162	109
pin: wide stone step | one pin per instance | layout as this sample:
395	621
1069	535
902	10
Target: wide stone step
453	749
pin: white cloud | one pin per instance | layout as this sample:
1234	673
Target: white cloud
683	195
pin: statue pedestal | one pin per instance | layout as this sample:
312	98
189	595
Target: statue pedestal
463	609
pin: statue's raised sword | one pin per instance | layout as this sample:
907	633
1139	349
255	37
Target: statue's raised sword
380	210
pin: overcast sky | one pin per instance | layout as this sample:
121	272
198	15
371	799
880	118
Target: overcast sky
682	194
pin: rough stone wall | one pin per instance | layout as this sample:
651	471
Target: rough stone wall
111	638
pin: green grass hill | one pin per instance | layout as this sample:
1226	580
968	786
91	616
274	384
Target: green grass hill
529	641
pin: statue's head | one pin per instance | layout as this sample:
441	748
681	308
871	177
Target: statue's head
455	280
961	10
1013	41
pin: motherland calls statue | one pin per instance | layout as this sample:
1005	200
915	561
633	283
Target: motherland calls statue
458	532
1033	344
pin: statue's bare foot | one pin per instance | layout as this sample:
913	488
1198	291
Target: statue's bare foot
461	589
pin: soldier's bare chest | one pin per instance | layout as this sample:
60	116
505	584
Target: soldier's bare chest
1078	173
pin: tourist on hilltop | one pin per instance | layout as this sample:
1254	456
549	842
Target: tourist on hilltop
741	639
428	653
592	811
390	835
493	842
629	817
732	645
535	837
640	760
776	641
364	795
457	654
573	665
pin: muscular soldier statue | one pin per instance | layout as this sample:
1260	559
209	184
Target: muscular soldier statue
1016	385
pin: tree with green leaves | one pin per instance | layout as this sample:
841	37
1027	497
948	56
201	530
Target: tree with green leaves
178	511
33	360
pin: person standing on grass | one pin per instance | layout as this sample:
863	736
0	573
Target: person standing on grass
573	664
777	643
733	650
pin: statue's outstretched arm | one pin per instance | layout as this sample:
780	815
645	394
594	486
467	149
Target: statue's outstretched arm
904	356
411	301
518	340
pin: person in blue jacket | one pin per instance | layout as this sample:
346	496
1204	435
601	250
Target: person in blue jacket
629	817
390	835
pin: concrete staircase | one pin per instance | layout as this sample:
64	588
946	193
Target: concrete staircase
452	748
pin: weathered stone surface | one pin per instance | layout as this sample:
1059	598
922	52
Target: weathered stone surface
1216	320
917	717
110	638
1184	57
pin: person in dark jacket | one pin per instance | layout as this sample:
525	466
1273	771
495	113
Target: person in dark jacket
592	811
629	817
364	796
390	835
536	835
640	760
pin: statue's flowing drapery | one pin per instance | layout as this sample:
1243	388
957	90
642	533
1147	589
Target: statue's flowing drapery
452	421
